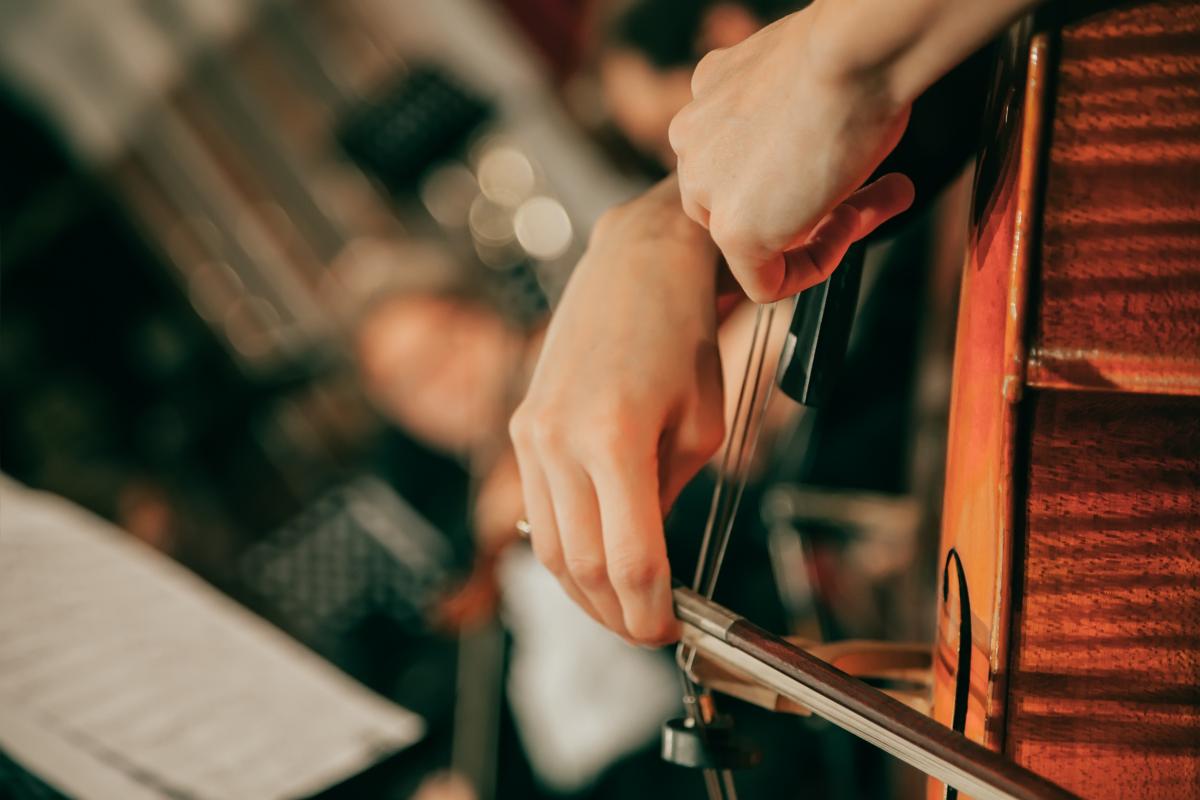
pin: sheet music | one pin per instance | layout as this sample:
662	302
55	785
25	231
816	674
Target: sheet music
124	675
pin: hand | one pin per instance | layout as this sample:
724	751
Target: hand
624	407
771	148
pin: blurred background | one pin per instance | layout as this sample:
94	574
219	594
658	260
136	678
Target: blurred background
273	274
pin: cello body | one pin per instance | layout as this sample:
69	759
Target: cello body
1069	615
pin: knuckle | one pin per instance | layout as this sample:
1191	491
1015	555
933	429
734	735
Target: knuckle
518	427
704	70
753	284
703	429
605	222
677	131
721	229
610	435
651	632
710	434
745	258
757	290
589	572
696	444
546	434
636	572
840	227
728	231
550	557
848	217
608	221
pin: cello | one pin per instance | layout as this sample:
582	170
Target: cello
1067	655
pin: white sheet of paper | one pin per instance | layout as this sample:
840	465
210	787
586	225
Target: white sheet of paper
124	675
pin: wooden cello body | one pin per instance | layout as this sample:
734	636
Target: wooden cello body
1069	622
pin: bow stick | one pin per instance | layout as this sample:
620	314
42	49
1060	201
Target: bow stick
849	703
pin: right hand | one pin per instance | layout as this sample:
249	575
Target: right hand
624	407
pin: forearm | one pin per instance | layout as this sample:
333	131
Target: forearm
903	46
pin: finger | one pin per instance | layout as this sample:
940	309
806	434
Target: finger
692	201
880	200
695	212
677	131
578	519
861	213
688	447
543	536
674	475
692	198
635	548
760	277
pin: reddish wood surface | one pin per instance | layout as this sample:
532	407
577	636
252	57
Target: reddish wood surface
1072	495
978	507
1104	691
1120	268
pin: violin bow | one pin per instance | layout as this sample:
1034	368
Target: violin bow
812	355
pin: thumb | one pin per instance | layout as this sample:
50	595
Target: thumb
856	217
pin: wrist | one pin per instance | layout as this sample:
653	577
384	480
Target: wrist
681	228
839	56
920	41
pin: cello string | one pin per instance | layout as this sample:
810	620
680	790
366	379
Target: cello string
749	432
736	443
719	784
718	489
715	505
745	456
723	515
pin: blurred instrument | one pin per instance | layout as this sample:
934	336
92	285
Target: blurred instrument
1070	590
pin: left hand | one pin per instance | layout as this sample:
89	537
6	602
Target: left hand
771	149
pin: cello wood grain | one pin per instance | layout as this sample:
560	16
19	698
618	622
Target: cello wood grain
1104	690
1120	268
1073	489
